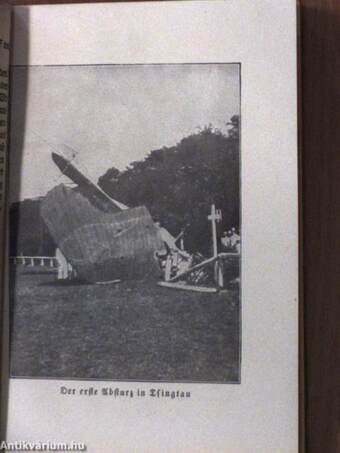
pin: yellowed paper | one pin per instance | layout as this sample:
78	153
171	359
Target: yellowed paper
258	411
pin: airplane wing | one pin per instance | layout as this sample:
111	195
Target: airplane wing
88	187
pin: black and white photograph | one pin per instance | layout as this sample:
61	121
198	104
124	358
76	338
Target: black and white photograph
125	222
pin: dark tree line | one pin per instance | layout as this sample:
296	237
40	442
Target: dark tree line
177	184
29	235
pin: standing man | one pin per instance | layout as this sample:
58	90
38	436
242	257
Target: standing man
235	241
226	241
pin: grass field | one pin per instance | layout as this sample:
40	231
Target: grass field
131	330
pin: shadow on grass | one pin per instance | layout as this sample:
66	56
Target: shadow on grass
39	272
61	283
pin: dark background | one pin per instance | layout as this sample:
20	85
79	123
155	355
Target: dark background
320	223
320	215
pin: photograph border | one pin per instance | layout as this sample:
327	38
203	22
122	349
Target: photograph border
240	310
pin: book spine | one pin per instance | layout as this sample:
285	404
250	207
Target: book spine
5	21
4	105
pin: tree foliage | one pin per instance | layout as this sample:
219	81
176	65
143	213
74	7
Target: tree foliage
28	233
178	184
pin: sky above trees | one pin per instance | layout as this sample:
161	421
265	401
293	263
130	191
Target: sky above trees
110	116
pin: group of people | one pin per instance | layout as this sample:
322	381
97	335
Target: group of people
231	241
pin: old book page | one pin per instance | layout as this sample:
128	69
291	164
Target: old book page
154	227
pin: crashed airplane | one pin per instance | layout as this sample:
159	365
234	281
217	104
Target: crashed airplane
101	238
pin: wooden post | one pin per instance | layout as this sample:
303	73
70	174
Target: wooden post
214	217
181	244
220	280
168	265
